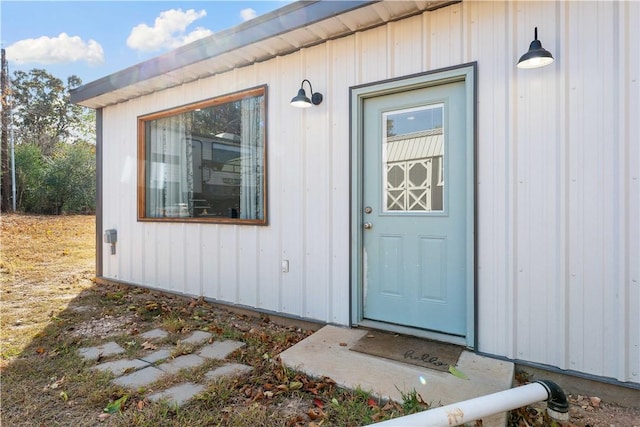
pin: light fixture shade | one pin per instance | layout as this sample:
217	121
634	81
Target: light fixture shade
537	56
301	100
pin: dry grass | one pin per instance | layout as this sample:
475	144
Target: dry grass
45	263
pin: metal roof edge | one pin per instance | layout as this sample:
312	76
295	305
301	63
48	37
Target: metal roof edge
287	18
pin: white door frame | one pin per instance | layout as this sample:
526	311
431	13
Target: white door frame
466	73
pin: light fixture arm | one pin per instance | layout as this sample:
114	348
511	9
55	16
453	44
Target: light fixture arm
310	88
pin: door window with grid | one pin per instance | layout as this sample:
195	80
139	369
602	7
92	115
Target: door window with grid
413	159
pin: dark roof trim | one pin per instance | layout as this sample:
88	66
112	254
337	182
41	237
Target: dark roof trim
295	15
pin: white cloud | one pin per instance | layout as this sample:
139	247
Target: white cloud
168	31
55	50
194	35
248	14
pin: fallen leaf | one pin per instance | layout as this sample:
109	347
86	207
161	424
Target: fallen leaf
378	416
248	391
149	346
63	395
116	405
57	383
104	416
140	405
391	405
372	402
457	373
318	403
295	385
315	413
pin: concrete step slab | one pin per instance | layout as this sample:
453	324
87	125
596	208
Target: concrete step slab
326	353
220	349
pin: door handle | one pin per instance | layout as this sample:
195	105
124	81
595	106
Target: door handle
367	226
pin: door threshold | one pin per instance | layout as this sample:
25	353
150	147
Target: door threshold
406	330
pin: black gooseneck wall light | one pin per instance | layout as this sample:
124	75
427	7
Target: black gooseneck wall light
302	101
537	56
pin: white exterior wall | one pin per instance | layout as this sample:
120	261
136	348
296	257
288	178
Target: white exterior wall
558	193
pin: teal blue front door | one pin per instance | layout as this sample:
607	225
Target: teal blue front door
414	202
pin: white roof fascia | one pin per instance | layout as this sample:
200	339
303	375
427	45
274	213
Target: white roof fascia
254	41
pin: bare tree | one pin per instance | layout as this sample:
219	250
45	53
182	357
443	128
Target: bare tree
5	175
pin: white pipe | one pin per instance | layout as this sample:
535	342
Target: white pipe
479	407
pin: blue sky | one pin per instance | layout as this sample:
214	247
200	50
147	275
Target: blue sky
92	39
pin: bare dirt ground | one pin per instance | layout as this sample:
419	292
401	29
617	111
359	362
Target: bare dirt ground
50	306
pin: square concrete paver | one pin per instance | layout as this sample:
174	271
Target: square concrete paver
154	334
177	395
220	349
183	362
141	378
104	350
197	337
158	355
229	370
119	367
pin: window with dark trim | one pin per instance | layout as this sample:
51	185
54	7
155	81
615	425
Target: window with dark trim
205	162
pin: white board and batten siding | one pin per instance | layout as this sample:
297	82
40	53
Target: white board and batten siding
558	195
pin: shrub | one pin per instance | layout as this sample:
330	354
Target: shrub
30	171
64	182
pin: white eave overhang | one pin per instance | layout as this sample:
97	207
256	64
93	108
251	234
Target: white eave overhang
281	32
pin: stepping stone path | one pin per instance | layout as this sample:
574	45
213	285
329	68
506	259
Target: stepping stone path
147	369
